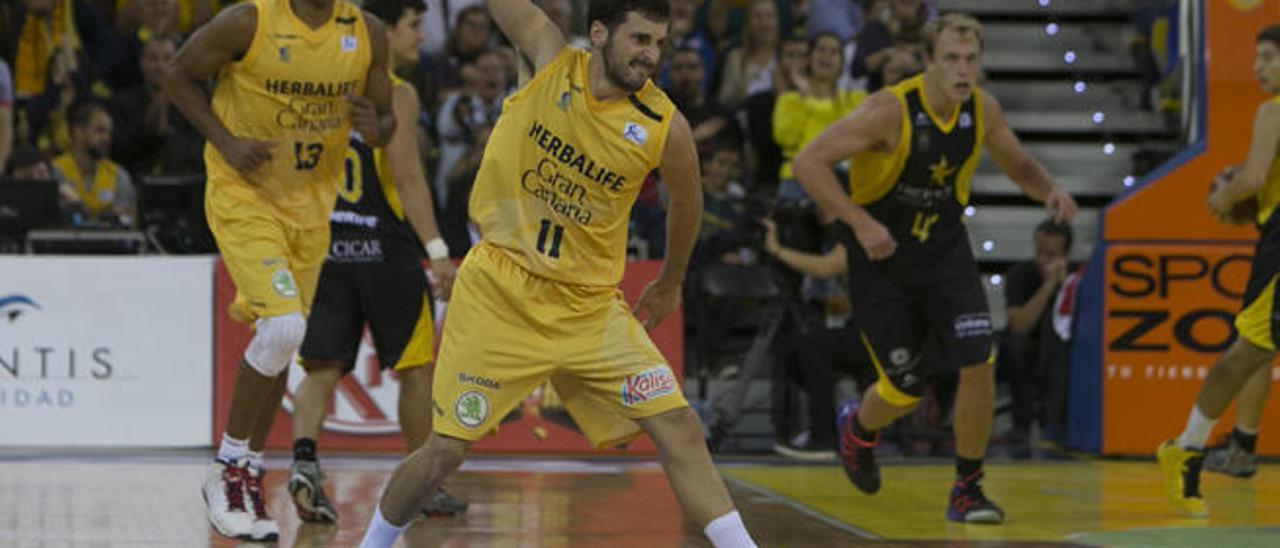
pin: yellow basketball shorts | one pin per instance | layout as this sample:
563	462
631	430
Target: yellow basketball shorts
274	266
507	331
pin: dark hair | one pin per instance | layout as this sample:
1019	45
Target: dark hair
1270	34
685	49
612	13
474	8
390	11
1050	228
813	40
796	35
82	112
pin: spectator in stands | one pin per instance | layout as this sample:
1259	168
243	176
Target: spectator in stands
157	140
898	27
721	241
795	14
708	120
686	33
1033	354
900	65
561	13
475	105
440	74
752	58
148	18
164	17
724	216
842	18
155	20
726	20
439	22
46	114
762	95
6	114
103	190
51	25
455	221
817	102
510	65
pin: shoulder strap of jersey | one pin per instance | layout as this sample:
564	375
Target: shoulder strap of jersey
266	14
653	104
566	56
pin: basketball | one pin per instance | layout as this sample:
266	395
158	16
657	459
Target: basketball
1244	211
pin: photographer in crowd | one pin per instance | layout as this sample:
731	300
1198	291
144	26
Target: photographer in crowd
829	347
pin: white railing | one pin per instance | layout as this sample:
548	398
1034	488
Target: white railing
1191	59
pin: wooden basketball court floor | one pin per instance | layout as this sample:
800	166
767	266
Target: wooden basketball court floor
53	499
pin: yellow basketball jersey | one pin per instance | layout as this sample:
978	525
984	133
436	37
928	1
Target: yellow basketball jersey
290	89
562	169
1269	196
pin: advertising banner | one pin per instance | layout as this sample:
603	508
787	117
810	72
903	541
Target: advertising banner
1169	311
105	352
362	414
1166	281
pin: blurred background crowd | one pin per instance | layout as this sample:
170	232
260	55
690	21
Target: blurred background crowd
82	112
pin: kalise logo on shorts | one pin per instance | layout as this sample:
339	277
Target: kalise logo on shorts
647	385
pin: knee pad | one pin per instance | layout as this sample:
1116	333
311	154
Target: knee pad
275	339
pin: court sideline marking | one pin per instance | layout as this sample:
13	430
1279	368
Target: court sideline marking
797	506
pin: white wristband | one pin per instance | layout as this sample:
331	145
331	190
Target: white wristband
437	249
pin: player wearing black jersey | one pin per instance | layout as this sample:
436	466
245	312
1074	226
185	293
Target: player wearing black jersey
914	148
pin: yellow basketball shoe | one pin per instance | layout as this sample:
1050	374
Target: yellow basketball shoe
1181	468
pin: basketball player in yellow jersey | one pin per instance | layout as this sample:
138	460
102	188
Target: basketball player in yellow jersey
1244	371
914	147
537	298
293	77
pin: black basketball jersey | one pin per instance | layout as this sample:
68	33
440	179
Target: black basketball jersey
920	189
368	224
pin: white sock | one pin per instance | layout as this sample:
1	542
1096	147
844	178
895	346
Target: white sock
232	450
256	460
380	533
727	531
1246	430
1198	429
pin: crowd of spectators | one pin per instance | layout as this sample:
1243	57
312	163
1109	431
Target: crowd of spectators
81	106
735	68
